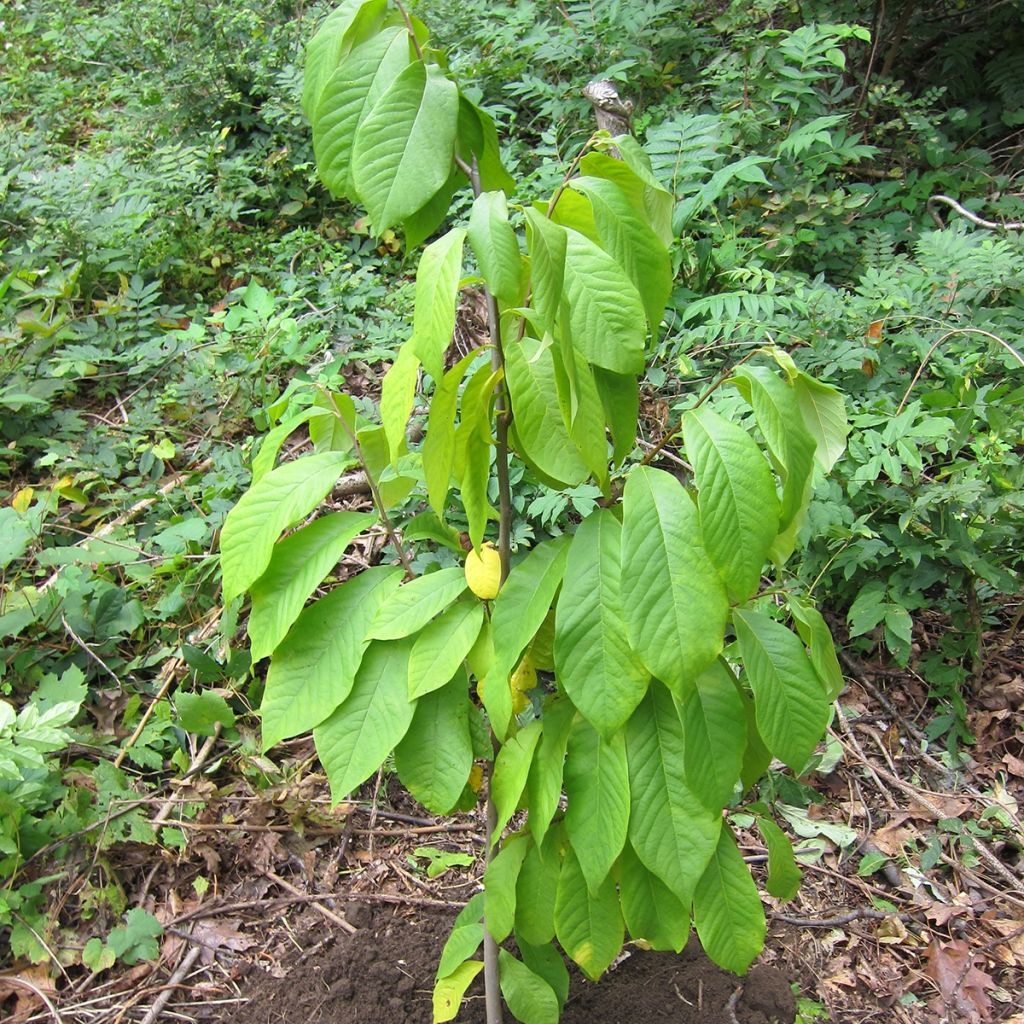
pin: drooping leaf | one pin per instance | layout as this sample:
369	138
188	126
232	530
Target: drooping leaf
588	924
437	289
735	496
597	788
312	671
634	176
279	500
544	783
546	961
402	151
727	909
416	603
824	415
398	393
816	635
449	990
606	315
465	937
419	226
652	911
711	713
442	646
593	659
671	829
297	567
439	444
494	243
790	701
783	873
478	139
472	459
435	755
375	449
620	395
354	741
529	997
674	601
336	430
536	887
511	768
547	244
500	887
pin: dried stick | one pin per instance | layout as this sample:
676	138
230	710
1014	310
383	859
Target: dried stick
330	915
175	979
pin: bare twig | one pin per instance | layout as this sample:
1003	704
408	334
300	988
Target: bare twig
992	225
324	912
172	983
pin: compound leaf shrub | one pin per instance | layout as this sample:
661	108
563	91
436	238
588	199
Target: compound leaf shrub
631	681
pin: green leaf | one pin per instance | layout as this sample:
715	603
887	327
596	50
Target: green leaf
442	646
588	924
419	226
348	95
547	244
593	659
494	243
448	991
713	717
650	908
757	757
478	139
439	444
627	236
546	961
620	396
135	940
403	149
313	670
201	712
634	176
278	501
98	957
434	757
824	415
511	768
265	458
597	789
544	783
736	498
397	395
535	891
790	701
473	451
465	937
376	452
500	887
297	567
674	601
437	290
529	997
783	873
543	436
817	637
672	831
334	432
606	315
520	609
727	909
372	720
416	603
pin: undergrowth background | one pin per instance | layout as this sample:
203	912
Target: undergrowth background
169	268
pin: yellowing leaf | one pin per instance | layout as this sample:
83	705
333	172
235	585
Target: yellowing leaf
23	499
448	992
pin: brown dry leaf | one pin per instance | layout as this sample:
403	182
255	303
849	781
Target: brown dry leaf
844	978
942	913
28	988
221	933
948	807
1013	932
1014	765
894	837
891	930
961	985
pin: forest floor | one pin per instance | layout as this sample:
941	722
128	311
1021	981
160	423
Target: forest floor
283	909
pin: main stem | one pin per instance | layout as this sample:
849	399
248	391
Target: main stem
502	412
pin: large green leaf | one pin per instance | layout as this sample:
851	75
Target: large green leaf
297	567
627	236
437	290
714	726
593	659
546	961
478	139
727	909
674	601
544	784
449	990
439	444
672	831
791	704
520	609
597	790
824	415
354	741
620	395
511	768
434	757
397	395
547	243
494	243
535	891
417	603
783	872
588	924
816	635
651	909
403	149
500	887
312	671
270	447
473	451
348	96
606	315
529	997
540	428
634	176
736	498
283	497
442	646
465	937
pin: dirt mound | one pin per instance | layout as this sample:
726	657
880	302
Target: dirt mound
384	975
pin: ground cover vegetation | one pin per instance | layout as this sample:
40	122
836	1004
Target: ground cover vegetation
184	307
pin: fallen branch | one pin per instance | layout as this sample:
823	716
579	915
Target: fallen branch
173	982
834	922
